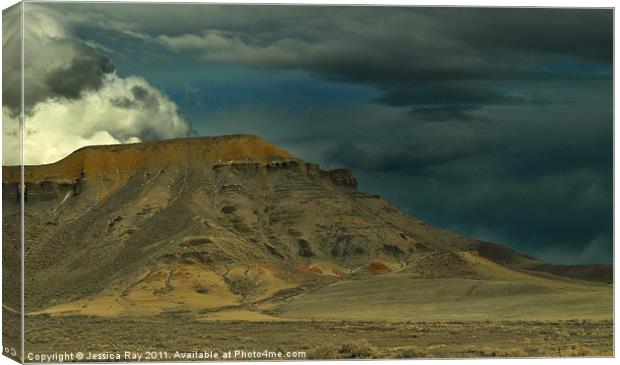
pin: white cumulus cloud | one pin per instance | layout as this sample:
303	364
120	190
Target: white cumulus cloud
74	98
123	110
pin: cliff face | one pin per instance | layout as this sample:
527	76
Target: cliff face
342	177
213	223
114	165
45	190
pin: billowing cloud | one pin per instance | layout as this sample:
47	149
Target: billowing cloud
73	96
122	110
57	65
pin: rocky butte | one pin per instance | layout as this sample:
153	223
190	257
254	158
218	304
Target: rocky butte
233	227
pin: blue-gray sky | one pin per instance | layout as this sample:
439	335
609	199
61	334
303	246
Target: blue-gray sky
496	123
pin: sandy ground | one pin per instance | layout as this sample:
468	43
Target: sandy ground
321	339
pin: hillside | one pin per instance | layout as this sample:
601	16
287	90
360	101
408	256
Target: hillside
233	227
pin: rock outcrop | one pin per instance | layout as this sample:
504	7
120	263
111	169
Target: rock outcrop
113	165
342	177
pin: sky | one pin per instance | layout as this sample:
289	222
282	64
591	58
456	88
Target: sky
494	123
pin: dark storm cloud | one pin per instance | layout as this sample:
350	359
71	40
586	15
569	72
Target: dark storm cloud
464	113
493	122
124	103
402	51
139	93
536	185
11	58
82	74
410	159
140	98
585	34
57	65
453	95
416	56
